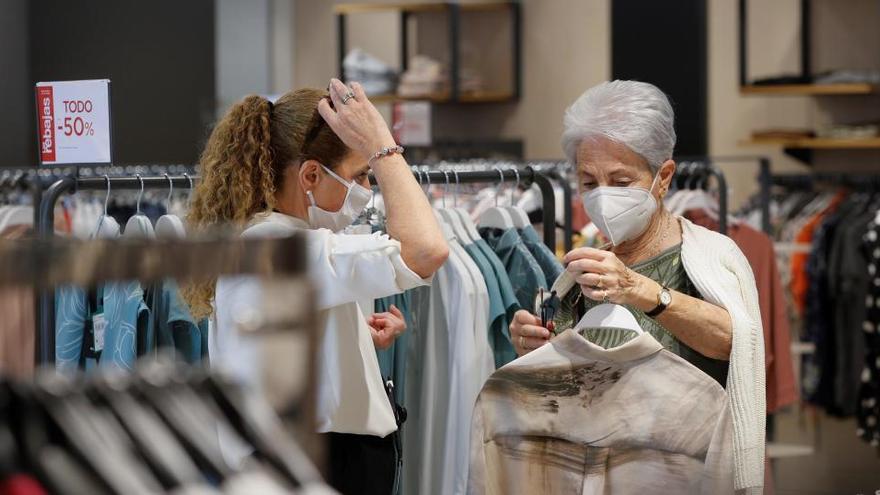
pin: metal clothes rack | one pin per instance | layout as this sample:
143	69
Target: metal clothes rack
44	224
527	176
763	181
701	170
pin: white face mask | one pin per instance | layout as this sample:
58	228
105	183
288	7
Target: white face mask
356	200
621	213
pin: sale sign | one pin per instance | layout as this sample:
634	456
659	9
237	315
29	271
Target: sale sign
73	122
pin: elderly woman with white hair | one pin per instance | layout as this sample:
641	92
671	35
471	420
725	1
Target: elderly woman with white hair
690	288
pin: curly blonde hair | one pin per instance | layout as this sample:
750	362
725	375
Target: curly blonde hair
244	163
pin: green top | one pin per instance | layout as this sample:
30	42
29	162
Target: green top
666	269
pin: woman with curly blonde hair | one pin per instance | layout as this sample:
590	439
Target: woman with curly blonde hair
302	164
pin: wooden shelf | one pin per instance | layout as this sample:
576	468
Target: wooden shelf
819	143
811	89
481	97
362	8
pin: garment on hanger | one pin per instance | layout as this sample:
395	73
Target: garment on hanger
107	327
573	417
524	271
550	265
868	405
668	268
175	328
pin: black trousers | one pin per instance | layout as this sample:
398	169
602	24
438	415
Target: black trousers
361	464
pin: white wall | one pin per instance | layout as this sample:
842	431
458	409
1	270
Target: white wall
254	49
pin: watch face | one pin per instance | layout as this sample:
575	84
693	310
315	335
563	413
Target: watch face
665	298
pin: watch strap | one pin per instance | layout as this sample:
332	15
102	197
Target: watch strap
661	307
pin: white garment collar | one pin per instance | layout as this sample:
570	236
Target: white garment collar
639	347
278	218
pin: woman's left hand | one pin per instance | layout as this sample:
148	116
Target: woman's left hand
386	327
603	277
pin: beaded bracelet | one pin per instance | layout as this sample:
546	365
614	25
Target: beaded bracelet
385	152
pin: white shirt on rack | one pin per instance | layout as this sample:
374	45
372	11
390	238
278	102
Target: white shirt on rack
471	363
344	269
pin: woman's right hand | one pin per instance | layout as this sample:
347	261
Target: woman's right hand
357	122
527	333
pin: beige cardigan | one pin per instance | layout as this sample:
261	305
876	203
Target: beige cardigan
724	277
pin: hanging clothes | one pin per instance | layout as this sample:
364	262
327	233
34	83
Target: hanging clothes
572	417
667	269
868	406
499	334
103	328
175	328
525	273
548	262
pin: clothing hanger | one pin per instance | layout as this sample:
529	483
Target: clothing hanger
609	316
139	226
497	217
452	218
11	215
170	226
463	215
107	227
519	215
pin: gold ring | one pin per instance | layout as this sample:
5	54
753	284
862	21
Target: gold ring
599	283
521	342
605	296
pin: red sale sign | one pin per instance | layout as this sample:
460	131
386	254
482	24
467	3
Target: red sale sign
46	118
73	120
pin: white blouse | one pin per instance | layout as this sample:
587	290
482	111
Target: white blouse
345	269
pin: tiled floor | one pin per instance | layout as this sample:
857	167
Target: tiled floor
841	465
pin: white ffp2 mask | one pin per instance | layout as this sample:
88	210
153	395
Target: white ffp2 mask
356	199
621	213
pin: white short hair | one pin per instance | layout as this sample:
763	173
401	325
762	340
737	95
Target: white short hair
635	114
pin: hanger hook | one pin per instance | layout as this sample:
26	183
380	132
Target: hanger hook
107	197
455	191
189	179
170	189
500	183
140	194
445	191
516	172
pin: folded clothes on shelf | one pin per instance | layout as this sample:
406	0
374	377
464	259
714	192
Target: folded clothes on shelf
849	76
375	76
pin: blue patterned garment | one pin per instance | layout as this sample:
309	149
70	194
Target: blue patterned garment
128	321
